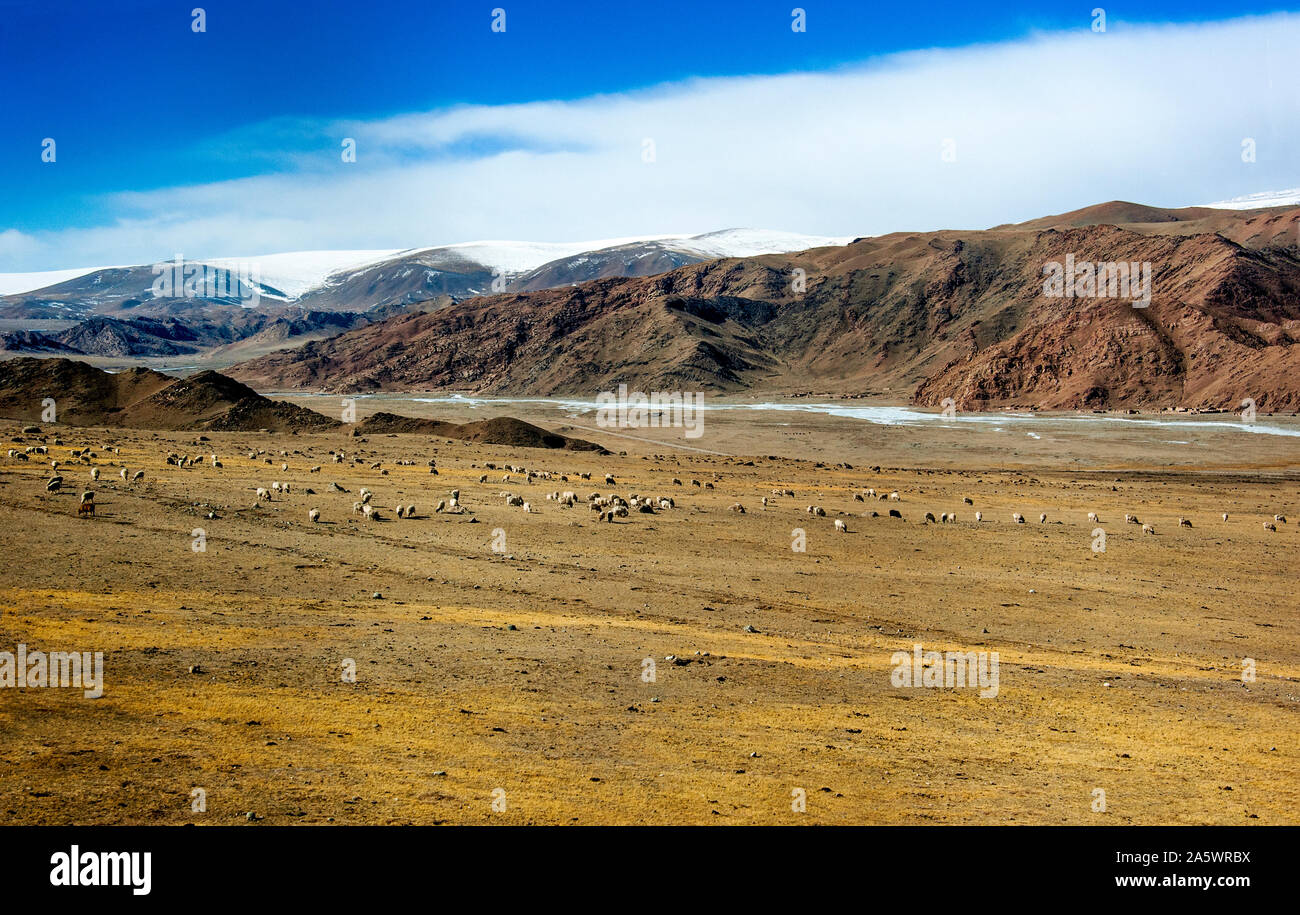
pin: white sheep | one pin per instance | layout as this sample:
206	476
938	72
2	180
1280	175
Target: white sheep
263	495
527	507
1042	519
841	526
368	511
1092	517
895	497
1270	526
1018	518
94	473
314	515
1225	516
138	476
1148	529
979	516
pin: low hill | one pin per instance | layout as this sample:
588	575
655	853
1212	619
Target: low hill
144	399
501	430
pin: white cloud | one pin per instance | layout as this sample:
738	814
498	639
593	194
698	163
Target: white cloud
1046	124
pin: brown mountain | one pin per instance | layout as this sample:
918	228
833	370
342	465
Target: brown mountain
921	316
143	399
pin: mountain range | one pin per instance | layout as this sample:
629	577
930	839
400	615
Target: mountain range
365	281
920	316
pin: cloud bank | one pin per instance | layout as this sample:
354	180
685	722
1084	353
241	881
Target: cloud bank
963	138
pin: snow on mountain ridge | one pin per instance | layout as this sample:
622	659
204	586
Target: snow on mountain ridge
297	273
1258	201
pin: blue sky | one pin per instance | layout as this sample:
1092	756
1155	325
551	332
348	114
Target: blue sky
167	138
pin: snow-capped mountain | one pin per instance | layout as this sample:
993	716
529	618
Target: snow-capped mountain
363	280
1258	201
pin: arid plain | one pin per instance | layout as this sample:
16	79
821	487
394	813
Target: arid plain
510	686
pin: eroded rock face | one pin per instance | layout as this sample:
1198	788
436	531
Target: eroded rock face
923	316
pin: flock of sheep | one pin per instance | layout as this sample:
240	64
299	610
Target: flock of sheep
609	507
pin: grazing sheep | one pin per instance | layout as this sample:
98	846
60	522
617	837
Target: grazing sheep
85	508
695	482
1131	519
857	497
676	482
54	484
609	479
1018	518
1280	518
410	511
356	508
872	493
528	507
87	496
895	497
455	495
263	495
929	517
482	478
123	474
315	469
764	503
400	511
1270	526
841	526
1042	519
968	500
737	507
979	516
1225	516
284	468
94	474
1183	522
138	476
1092	517
314	515
895	513
1148	529
366	496
368	512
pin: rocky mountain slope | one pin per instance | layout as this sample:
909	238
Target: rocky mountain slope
920	316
